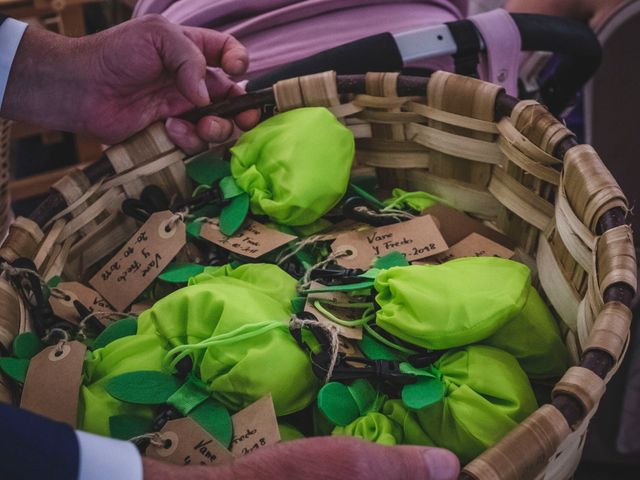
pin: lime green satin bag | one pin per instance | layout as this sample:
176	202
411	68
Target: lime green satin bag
128	354
472	300
234	324
295	166
486	395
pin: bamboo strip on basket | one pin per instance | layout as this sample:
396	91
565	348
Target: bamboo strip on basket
611	330
22	240
144	147
584	386
454	145
468	123
523	452
460	195
577	238
10	314
463	96
520	200
590	187
558	289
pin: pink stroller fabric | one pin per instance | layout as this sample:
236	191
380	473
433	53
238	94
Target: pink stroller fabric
503	44
277	32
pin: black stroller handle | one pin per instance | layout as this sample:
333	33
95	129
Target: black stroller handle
377	53
574	41
578	46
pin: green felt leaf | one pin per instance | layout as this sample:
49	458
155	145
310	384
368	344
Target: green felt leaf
16	368
230	188
207	168
393	259
122	328
215	419
26	345
375	350
189	395
366	195
144	387
337	404
364	394
418	372
54	281
211	210
180	272
298	303
342	288
425	392
125	427
234	214
193	229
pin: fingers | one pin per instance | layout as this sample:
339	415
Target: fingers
220	49
184	135
220	86
182	57
330	458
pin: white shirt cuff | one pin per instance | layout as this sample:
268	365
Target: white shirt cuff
11	32
103	458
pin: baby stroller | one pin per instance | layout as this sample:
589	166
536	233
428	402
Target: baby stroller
288	39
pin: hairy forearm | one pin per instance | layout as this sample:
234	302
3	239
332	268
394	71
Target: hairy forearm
45	84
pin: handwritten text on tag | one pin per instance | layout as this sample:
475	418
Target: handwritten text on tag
141	260
252	240
187	443
417	238
64	307
254	427
53	382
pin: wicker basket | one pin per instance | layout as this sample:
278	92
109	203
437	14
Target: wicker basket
507	162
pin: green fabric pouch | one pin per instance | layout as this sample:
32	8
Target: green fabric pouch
375	427
486	395
471	300
127	354
295	166
234	323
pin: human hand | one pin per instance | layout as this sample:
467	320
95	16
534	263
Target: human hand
115	83
321	458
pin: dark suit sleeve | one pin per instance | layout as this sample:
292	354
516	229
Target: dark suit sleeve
34	448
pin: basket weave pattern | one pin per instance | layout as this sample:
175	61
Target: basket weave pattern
511	164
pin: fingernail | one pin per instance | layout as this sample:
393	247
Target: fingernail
214	130
442	464
203	91
176	127
238	67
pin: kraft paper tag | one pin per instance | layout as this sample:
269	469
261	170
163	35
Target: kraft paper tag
187	443
455	225
350	349
475	245
342	313
254	427
417	238
53	382
64	308
252	240
138	308
345	226
123	278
